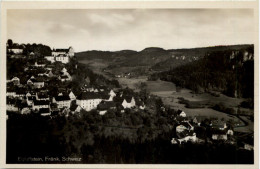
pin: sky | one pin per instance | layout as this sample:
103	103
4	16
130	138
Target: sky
134	29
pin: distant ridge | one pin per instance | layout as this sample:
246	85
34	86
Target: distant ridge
155	58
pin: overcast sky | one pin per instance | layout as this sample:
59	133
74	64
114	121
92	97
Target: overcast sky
131	29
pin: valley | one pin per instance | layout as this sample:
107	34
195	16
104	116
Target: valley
193	104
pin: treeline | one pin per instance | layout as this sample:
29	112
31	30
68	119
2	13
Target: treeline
39	50
230	72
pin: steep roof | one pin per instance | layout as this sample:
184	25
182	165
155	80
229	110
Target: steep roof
218	124
186	124
219	132
44	110
89	95
42	95
74	107
64	77
106	105
61	50
31	98
41	102
62	98
184	134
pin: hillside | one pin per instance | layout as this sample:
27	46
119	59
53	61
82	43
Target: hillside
230	71
152	58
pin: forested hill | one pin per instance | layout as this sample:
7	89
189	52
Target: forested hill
230	71
154	58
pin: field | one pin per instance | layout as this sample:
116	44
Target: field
171	96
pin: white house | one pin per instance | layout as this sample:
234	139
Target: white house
10	92
128	102
112	93
26	110
15	50
184	137
219	135
184	126
15	80
62	101
11	105
230	132
181	113
191	138
39	64
62	58
88	100
72	96
69	52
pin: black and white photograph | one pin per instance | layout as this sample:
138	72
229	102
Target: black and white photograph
135	85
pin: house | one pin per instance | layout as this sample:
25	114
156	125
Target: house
88	100
68	52
39	64
15	80
26	110
42	96
28	94
36	83
54	108
108	97
64	78
248	146
219	134
30	100
218	124
184	126
16	50
181	113
10	92
140	104
11	105
20	93
112	93
62	58
50	58
75	108
64	71
38	104
44	111
128	102
72	96
104	106
185	136
48	73
230	132
62	101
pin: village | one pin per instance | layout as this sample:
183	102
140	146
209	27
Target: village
32	92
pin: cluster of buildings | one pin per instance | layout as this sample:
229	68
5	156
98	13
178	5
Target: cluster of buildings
31	91
61	55
186	129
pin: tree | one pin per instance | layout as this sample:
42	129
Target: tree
10	42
